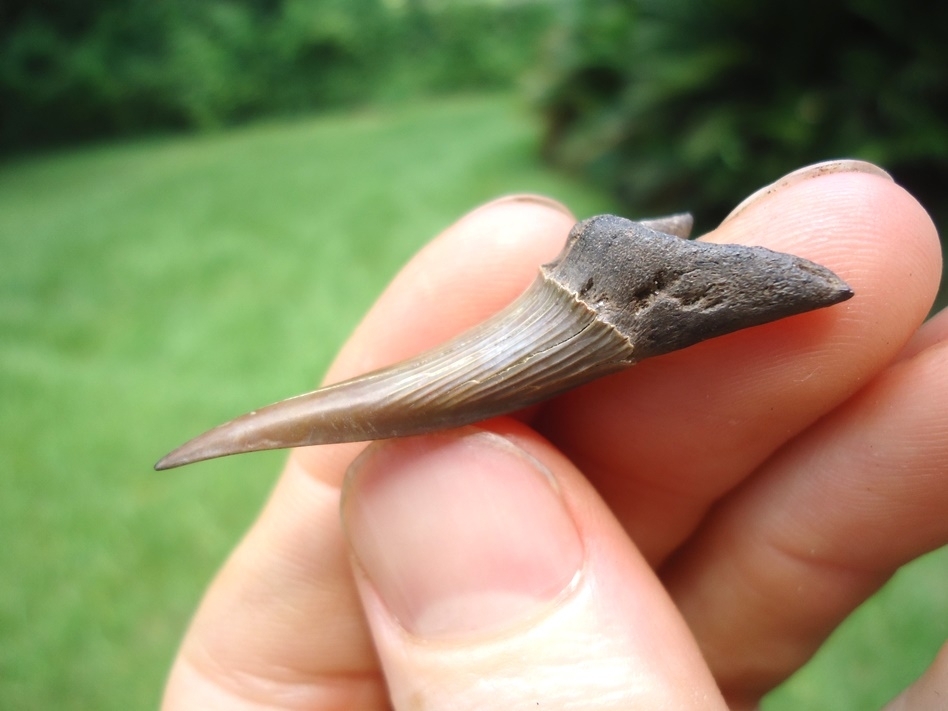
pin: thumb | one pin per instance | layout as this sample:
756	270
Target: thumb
493	576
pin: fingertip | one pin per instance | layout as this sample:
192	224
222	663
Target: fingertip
831	212
932	334
864	227
523	202
816	170
461	533
470	271
503	241
501	563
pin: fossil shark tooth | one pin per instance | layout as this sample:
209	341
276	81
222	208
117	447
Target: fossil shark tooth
619	292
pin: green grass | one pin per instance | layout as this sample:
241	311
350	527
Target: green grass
150	289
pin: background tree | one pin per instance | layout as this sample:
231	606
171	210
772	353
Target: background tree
121	67
691	104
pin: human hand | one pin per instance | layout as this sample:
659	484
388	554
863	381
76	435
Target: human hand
681	535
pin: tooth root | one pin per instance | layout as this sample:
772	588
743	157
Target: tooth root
667	294
678	225
618	293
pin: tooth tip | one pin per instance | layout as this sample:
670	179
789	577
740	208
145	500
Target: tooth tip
272	427
838	290
199	449
172	460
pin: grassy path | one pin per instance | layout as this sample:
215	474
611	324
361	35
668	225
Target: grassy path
148	290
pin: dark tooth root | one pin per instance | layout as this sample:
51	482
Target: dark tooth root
619	292
677	225
652	288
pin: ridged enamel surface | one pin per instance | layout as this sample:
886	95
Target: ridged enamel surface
544	343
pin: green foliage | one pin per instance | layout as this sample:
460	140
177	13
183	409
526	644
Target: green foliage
129	66
692	104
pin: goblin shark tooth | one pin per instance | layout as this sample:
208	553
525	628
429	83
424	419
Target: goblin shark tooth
619	292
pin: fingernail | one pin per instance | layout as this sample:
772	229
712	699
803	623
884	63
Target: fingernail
459	533
811	171
528	199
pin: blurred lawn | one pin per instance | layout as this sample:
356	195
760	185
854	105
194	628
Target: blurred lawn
149	290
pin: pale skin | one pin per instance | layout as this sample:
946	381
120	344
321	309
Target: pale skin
682	535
